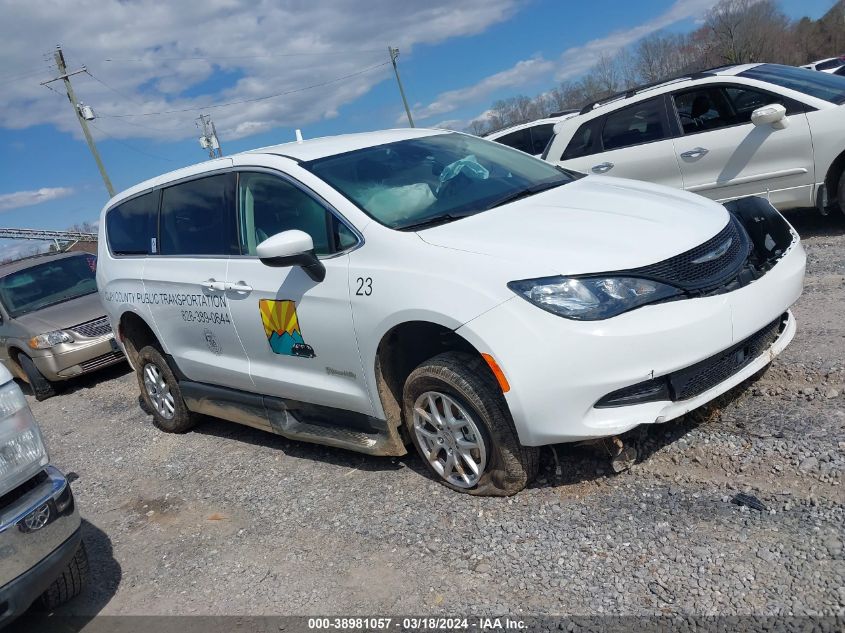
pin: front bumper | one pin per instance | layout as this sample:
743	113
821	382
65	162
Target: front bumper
558	369
35	544
73	359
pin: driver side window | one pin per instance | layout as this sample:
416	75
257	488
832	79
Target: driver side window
268	205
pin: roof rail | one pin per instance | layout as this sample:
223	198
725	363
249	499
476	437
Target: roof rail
630	92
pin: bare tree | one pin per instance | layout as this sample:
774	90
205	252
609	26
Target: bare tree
746	31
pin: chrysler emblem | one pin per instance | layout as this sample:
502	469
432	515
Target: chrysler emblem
716	253
36	519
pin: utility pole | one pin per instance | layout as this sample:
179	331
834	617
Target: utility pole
394	53
77	109
209	139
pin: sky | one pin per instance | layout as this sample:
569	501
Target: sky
263	68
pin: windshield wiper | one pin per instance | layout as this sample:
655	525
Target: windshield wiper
524	193
433	221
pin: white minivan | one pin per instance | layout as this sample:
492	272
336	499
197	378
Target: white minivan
377	290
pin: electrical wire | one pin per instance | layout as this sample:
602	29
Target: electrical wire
213	57
253	100
24	75
132	147
113	89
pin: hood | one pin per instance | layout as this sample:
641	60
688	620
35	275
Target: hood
63	316
591	225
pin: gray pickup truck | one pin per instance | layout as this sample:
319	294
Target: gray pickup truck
42	556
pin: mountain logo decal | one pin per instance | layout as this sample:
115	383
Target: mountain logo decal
281	326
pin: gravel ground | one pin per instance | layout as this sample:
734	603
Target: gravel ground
230	520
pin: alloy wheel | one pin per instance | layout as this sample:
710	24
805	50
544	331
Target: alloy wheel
449	439
159	391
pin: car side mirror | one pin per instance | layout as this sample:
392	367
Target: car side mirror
773	114
291	248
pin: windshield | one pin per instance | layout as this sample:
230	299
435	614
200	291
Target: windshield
445	176
810	82
49	283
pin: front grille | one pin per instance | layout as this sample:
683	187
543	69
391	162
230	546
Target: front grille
696	379
703	266
93	329
102	361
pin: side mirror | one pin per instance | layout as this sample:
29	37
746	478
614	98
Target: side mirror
291	248
773	114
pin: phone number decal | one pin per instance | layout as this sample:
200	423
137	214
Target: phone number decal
205	317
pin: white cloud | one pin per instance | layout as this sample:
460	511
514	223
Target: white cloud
573	62
258	45
19	199
577	60
519	74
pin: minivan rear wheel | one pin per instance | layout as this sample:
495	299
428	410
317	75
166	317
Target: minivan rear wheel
161	393
41	387
459	422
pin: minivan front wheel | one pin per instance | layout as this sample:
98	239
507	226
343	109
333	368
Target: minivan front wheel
459	423
41	387
161	393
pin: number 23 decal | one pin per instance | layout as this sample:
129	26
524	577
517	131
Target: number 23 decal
365	286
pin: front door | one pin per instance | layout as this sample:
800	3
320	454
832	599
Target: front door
298	333
184	283
723	155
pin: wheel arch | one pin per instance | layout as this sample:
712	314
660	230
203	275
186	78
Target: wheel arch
135	334
834	173
14	351
404	347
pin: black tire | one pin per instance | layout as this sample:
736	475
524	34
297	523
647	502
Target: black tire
41	387
841	192
182	419
69	584
466	379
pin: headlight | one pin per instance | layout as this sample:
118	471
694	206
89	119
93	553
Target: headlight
50	339
22	451
591	298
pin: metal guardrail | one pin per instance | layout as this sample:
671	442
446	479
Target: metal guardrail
35	234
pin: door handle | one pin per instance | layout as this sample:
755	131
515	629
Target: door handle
602	167
213	286
239	287
696	152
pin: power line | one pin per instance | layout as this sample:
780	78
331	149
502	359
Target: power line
114	90
132	147
213	57
24	75
253	100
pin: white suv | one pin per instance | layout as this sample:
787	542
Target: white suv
531	137
756	129
375	290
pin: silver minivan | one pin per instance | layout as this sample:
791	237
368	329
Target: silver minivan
52	323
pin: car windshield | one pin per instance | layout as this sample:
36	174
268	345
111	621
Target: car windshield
810	82
432	179
49	283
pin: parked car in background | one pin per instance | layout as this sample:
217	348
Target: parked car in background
828	65
530	137
42	555
52	324
749	130
434	290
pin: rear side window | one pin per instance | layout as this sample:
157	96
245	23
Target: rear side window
540	137
831	63
583	142
643	122
521	140
131	225
198	217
